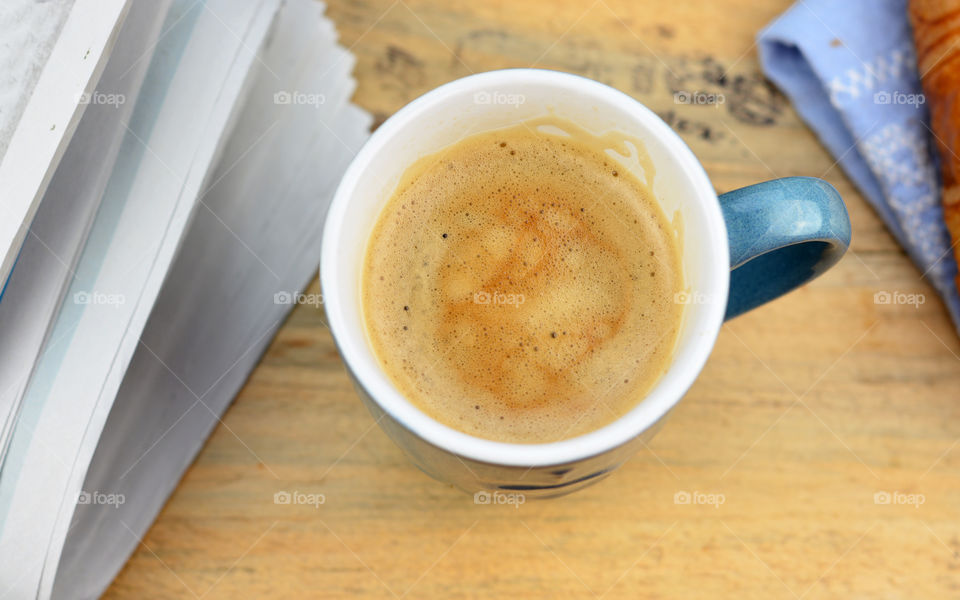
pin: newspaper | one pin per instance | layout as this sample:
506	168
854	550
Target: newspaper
208	206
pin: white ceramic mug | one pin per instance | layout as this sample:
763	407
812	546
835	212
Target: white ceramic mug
499	99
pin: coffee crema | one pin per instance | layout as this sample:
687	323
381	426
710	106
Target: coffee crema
521	285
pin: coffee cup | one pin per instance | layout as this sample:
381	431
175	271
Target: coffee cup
738	251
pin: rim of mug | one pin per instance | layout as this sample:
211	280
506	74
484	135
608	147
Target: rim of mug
368	374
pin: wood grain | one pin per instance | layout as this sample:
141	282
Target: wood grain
807	408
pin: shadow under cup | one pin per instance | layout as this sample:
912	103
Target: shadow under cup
482	103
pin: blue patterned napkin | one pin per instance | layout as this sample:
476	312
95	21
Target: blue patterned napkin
850	69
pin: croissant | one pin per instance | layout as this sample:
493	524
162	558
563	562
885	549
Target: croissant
936	34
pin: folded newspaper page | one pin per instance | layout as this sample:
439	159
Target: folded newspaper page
206	206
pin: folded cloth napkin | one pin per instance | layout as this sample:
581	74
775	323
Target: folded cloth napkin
850	69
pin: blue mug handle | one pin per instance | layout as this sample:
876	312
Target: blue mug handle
783	233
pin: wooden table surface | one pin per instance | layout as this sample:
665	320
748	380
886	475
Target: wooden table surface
807	409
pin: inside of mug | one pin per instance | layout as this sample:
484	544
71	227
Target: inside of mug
501	99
